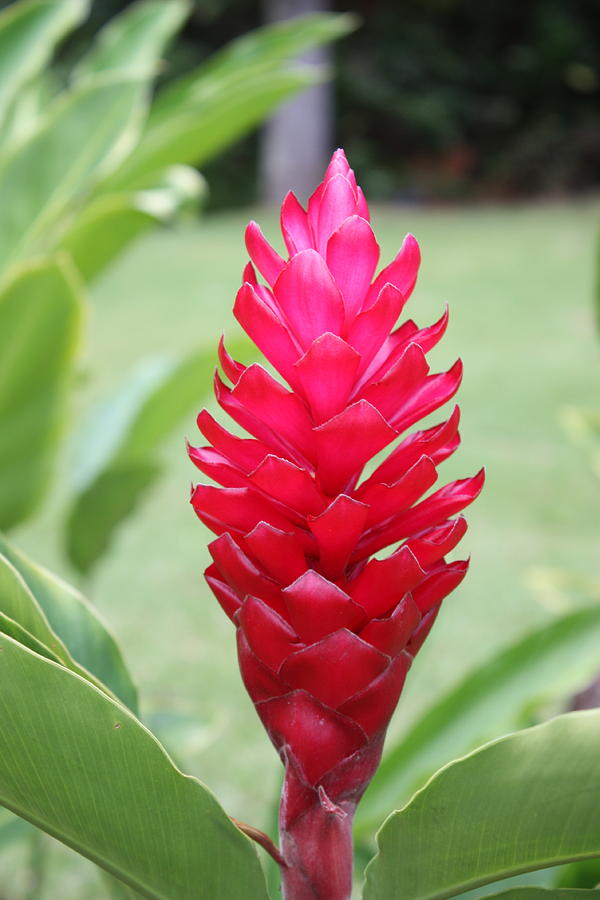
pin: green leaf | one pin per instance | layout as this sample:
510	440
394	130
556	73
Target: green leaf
84	136
110	222
198	115
40	324
117	461
27	110
82	768
18	633
527	801
115	889
99	510
538	893
63	620
224	112
275	43
29	32
496	698
584	874
136	37
31	627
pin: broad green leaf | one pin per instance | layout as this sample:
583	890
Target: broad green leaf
82	768
99	510
584	874
196	116
31	627
110	222
498	697
539	893
29	32
136	37
18	633
40	322
18	602
527	801
28	109
115	889
62	619
117	460
223	111
273	43
84	135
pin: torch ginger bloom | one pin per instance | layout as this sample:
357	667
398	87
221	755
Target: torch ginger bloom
326	630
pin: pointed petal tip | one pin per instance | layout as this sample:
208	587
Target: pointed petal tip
249	275
290	198
456	371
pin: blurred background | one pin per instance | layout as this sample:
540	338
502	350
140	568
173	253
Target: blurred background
476	127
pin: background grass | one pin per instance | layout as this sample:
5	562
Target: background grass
519	284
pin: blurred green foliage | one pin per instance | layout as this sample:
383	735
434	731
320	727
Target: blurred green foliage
89	160
506	273
440	98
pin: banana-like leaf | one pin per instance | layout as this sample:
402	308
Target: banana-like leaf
578	875
527	801
538	893
27	110
271	44
84	135
195	117
29	32
81	767
136	37
111	222
99	510
116	461
14	630
64	621
498	697
40	322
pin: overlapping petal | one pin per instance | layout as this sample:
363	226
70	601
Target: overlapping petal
326	629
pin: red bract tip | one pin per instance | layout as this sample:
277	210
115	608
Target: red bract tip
326	632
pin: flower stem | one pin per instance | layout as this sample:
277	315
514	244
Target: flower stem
316	842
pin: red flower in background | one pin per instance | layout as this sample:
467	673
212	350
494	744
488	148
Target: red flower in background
326	630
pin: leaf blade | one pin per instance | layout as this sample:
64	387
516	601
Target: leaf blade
83	778
60	617
28	34
41	313
111	222
83	136
135	37
548	663
197	115
130	430
494	814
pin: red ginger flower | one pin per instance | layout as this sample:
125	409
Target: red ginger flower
326	631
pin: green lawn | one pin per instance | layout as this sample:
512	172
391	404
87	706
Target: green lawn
519	285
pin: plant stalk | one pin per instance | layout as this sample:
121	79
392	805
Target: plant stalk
316	843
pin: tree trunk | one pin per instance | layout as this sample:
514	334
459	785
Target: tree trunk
297	140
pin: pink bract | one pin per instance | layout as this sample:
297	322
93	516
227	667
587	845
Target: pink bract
326	631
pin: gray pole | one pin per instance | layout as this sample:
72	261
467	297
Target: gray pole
297	141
